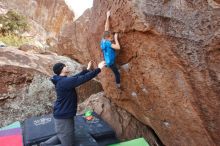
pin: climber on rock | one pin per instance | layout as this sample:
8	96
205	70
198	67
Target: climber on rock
108	50
65	106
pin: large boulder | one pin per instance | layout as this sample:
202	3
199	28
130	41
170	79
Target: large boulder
45	18
51	15
73	40
169	63
124	124
25	87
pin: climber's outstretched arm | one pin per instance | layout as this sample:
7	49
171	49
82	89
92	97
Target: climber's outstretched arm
116	46
107	21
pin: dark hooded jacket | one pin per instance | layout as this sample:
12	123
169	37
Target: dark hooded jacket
66	104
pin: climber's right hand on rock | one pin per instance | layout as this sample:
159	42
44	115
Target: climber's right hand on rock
108	13
101	64
116	36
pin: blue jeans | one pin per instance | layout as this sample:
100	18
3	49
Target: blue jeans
116	73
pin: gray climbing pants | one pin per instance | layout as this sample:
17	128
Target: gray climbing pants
65	133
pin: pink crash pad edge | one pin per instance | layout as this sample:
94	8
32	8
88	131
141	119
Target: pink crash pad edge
13	140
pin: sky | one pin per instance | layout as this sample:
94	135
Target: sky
79	6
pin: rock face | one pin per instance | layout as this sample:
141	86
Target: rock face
25	87
46	19
169	63
123	123
72	43
52	15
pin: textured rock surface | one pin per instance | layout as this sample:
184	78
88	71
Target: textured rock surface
124	124
72	40
170	61
170	64
52	15
46	18
25	88
3	9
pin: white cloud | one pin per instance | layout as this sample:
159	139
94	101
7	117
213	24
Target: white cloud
79	6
